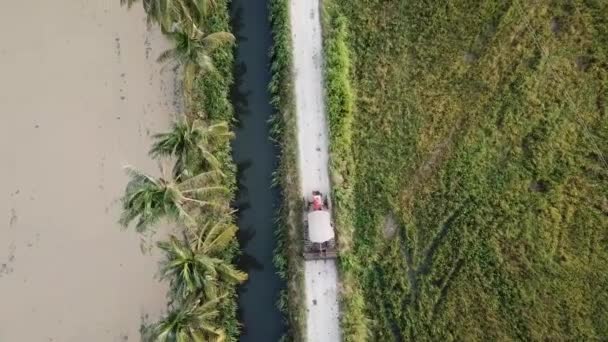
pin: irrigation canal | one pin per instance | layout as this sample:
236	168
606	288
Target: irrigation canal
256	159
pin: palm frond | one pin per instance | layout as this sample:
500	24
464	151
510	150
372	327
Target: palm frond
190	73
231	274
142	201
220	129
208	192
139	176
212	161
193	145
214	40
208	228
148	199
216	240
189	322
205	63
184	11
167	55
201	180
172	142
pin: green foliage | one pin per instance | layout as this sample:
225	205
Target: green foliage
167	13
147	199
191	321
199	271
211	94
480	126
340	110
192	143
192	51
288	254
199	268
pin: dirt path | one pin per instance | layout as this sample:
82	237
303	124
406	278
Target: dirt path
79	95
323	323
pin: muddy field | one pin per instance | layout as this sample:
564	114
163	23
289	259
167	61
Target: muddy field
80	95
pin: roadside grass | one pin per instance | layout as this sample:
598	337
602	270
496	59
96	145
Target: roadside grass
288	254
340	99
482	128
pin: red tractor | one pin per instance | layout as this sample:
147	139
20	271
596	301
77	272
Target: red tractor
318	202
319	238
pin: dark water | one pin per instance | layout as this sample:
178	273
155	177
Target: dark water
256	159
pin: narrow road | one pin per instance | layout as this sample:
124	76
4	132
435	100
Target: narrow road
321	276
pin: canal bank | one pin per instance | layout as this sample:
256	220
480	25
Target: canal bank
256	159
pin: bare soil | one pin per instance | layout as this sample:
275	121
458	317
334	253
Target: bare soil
80	94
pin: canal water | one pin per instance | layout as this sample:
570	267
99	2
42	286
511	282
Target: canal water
256	159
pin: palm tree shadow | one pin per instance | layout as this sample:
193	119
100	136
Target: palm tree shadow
241	201
245	235
238	96
240	207
241	167
236	22
246	261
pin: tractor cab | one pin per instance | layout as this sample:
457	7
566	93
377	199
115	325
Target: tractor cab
319	232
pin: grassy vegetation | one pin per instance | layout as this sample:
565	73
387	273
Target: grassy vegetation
480	128
197	196
288	255
340	100
214	99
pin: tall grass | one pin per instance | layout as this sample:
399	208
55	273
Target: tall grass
481	127
288	254
340	110
213	93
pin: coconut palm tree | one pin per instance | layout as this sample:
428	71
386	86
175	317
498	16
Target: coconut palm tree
192	143
192	51
200	271
167	13
148	199
194	321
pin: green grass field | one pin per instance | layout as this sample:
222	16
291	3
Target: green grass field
479	131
